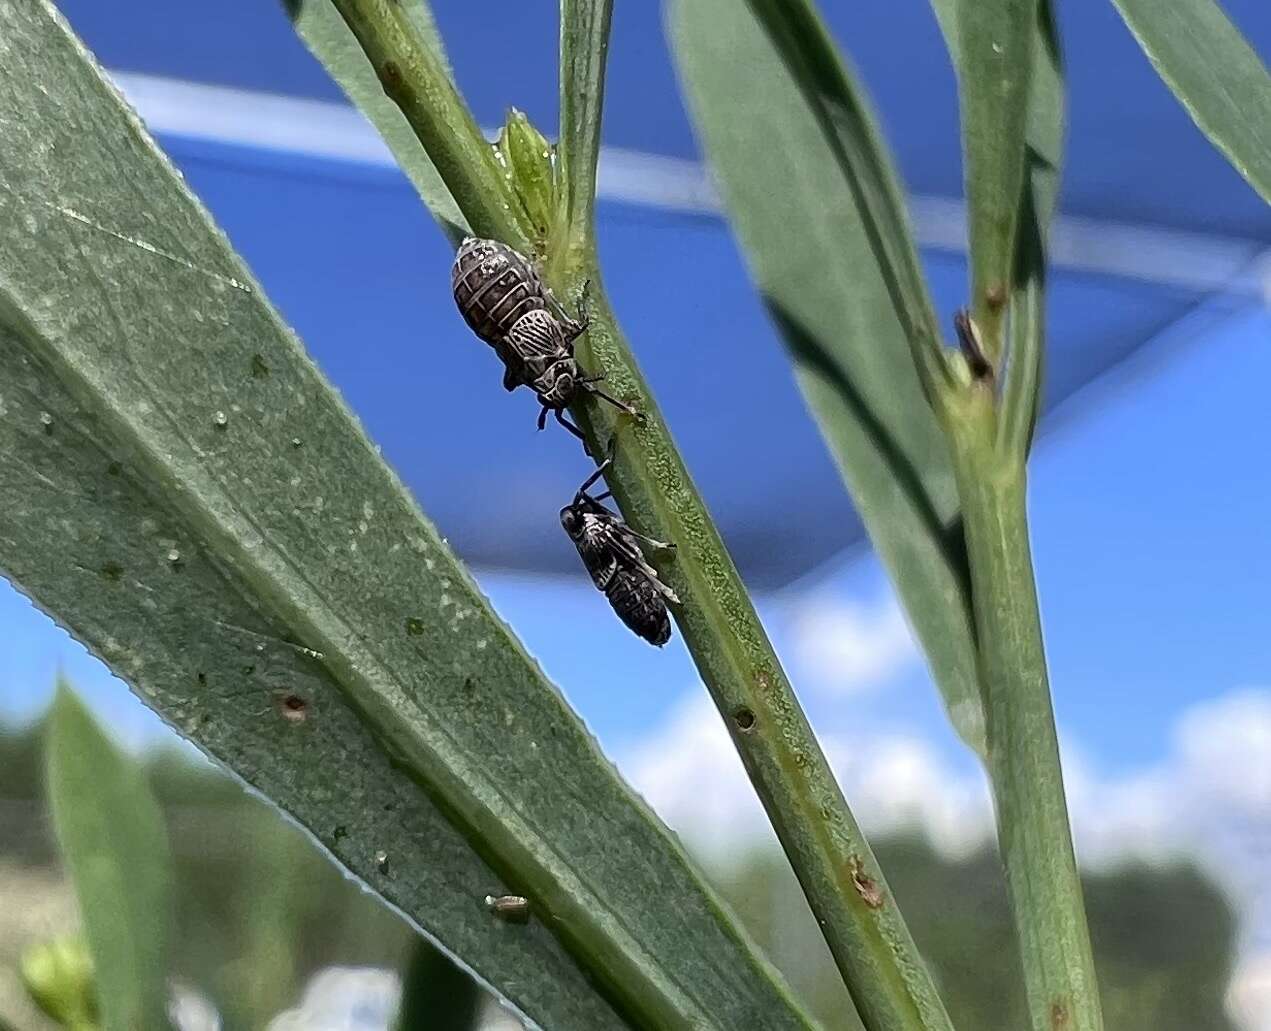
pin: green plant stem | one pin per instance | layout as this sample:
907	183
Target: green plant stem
889	983
415	79
1032	815
845	888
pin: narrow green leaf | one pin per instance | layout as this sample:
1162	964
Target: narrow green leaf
1216	75
333	43
1044	136
1021	393
182	490
1022	390
584	44
994	63
786	148
115	848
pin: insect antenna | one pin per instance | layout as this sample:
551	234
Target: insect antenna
589	384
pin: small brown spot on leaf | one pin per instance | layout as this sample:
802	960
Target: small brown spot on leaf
866	887
391	77
744	719
995	296
293	708
259	367
112	571
1059	1014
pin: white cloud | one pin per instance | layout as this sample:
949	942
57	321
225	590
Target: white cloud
846	647
1210	799
1225	747
344	999
1249	997
690	773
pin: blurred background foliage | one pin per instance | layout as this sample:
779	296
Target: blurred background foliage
260	911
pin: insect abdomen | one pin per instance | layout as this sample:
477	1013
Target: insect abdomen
493	287
639	605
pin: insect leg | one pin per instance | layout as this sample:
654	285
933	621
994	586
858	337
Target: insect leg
542	418
560	418
600	471
574	327
577	327
650	542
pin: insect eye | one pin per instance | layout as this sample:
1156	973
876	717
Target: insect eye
569	519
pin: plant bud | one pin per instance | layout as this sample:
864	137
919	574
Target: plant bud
58	976
529	161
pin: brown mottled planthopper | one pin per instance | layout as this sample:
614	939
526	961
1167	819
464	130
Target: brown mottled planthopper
610	550
506	303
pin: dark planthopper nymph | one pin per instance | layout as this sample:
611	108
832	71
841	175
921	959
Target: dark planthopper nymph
610	550
505	302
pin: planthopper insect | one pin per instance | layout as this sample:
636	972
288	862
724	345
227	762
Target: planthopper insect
610	550
503	301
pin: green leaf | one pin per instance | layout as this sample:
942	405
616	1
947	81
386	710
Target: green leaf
183	491
115	848
332	42
1216	75
795	150
1044	132
995	46
1044	137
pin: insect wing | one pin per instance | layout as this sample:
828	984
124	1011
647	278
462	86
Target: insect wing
595	543
624	546
537	335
